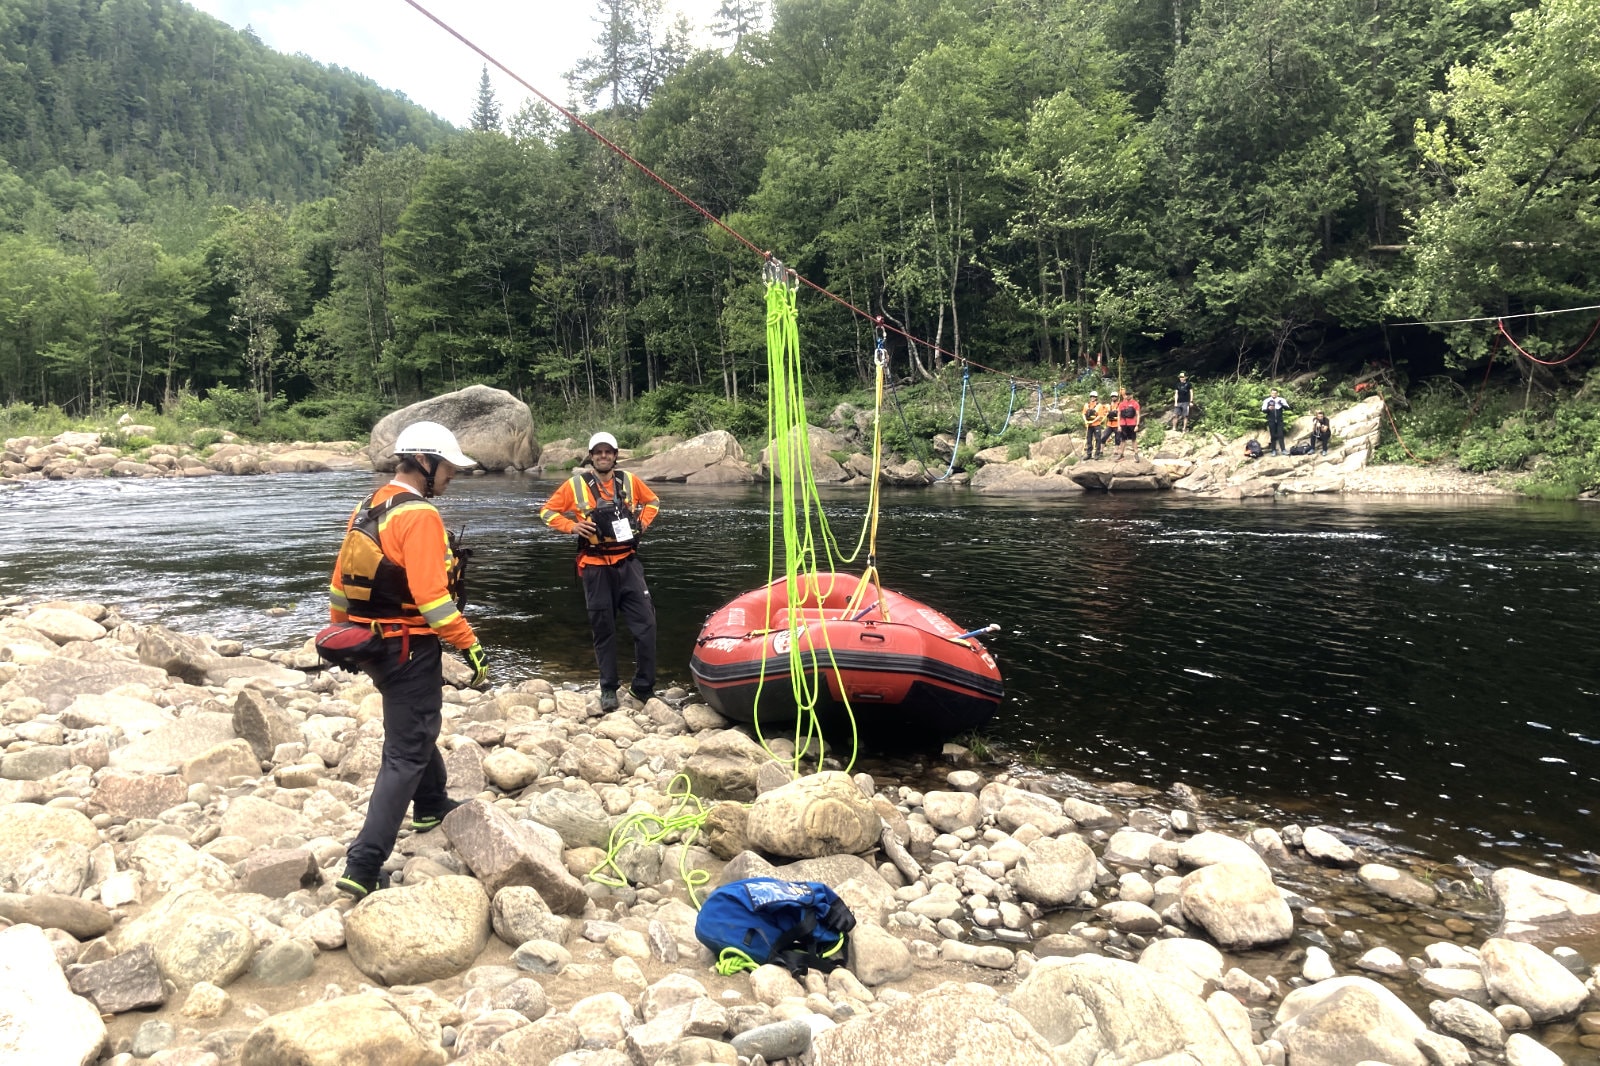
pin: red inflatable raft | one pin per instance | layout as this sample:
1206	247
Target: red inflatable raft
910	674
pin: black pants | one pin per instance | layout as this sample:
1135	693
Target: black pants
614	590
1091	442
1275	431
1320	440
412	770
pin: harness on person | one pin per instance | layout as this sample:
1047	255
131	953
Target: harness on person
616	524
799	925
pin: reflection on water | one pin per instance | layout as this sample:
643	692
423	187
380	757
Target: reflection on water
1424	670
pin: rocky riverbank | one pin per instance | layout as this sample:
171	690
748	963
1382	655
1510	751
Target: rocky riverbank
496	428
174	810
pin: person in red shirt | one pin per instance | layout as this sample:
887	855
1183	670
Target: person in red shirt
606	509
1128	423
409	601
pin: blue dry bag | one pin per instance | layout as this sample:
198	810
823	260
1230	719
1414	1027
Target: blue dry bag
798	925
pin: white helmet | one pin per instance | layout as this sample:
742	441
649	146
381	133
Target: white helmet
430	438
602	438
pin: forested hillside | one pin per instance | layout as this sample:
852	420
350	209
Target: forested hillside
1223	184
157	92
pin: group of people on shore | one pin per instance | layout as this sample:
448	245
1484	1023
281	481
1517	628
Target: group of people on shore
1116	418
1273	407
399	579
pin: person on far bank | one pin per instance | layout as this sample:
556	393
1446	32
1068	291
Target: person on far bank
1127	424
1109	432
1274	406
1182	397
607	509
409	596
1094	417
1321	432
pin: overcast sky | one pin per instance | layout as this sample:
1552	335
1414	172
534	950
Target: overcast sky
395	46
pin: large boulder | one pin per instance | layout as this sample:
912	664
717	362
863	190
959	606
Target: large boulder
42	1023
946	1026
1194	964
351	1031
821	814
194	939
178	654
1540	909
501	851
681	461
23	826
1115	1013
1347	1020
1014	479
491	425
1237	904
1522	974
823	446
1054	871
419	933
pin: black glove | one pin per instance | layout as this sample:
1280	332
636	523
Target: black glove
839	918
478	659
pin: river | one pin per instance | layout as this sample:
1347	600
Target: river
1423	670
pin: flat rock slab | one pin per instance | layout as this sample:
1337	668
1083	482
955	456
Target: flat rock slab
166	749
130	981
59	680
220	671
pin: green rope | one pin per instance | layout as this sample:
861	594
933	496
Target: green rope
685	820
796	521
733	961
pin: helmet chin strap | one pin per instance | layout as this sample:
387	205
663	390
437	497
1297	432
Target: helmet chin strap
429	469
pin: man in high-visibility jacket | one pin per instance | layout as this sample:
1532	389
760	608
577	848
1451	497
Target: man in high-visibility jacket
1094	416
607	509
406	597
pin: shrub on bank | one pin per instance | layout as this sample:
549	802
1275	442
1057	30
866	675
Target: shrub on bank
1553	440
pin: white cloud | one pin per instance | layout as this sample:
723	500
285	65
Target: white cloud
397	47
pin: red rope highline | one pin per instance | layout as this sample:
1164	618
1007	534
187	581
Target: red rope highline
1500	324
876	320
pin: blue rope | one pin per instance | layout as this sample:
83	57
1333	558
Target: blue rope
961	420
1038	413
1011	404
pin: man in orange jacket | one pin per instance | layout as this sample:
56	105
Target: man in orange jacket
407	597
607	509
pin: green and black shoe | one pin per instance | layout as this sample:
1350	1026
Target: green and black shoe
608	699
424	822
360	885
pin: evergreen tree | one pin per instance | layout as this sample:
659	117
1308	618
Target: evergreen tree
360	135
486	113
737	19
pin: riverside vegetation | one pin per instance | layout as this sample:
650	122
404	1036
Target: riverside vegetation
1245	190
173	811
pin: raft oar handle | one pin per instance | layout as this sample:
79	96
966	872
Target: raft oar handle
858	616
992	627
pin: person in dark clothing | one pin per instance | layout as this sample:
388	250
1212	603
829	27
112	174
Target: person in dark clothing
411	598
1273	407
1321	432
1182	398
607	509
